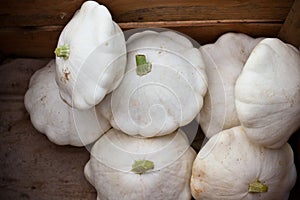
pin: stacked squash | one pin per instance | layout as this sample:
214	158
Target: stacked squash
249	114
130	93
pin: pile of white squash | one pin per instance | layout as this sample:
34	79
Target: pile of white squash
129	98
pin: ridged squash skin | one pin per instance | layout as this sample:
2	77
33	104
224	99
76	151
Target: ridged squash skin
96	60
268	93
109	169
50	115
165	98
229	162
224	61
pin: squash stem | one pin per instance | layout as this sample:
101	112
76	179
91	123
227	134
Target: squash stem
141	166
63	51
257	187
142	66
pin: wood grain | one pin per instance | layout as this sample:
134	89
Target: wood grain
169	10
31	166
30	28
34	168
290	31
15	75
34	42
41	42
15	13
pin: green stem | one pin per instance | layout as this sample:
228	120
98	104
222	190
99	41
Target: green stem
257	187
63	51
141	166
142	66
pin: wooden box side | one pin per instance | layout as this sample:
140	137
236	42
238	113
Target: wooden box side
31	28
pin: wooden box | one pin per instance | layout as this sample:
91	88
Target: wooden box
31	167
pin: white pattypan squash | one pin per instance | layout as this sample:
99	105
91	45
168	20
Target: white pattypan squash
224	62
127	168
163	87
231	167
90	56
268	93
49	114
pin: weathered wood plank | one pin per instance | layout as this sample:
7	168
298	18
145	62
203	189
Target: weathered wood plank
41	42
209	33
31	166
37	12
290	31
57	12
166	10
42	21
15	75
34	168
27	42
